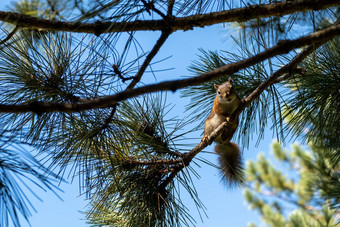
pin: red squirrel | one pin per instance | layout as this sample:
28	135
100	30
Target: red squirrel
230	159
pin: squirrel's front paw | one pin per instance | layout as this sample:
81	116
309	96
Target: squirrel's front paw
205	139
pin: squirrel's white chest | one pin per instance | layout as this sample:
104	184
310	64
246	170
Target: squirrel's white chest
213	123
216	121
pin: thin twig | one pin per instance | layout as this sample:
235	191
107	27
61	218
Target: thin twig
120	75
151	6
170	23
170	7
149	57
9	36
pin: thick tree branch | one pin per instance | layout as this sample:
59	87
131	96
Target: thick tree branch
170	23
281	48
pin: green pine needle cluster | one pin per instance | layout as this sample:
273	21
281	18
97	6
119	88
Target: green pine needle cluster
19	173
313	108
134	194
294	189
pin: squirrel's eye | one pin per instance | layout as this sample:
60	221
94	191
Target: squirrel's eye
219	92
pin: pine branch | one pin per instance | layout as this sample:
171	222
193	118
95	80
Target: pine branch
170	23
281	48
286	199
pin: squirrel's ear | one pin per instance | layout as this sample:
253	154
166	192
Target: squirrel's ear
230	81
216	86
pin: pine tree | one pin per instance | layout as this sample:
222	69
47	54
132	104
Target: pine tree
293	189
73	90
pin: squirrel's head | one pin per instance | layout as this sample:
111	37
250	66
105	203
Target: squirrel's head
226	91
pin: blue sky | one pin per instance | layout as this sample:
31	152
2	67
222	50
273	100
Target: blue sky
225	207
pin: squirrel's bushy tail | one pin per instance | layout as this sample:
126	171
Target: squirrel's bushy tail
231	164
